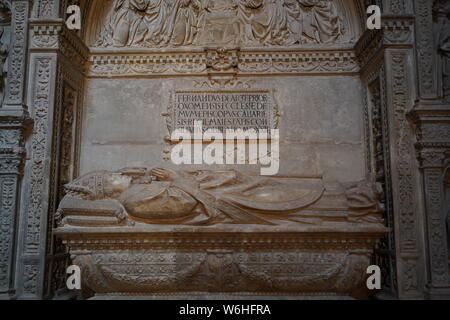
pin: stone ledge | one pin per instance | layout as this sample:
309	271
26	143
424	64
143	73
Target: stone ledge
192	296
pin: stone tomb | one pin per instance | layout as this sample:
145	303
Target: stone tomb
159	231
154	228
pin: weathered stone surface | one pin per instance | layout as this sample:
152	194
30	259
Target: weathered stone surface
234	222
317	115
200	23
162	196
352	105
274	261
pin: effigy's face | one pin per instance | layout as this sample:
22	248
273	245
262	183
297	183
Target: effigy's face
119	182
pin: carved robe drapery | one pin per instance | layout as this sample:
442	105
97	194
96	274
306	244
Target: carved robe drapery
321	21
162	196
156	23
136	20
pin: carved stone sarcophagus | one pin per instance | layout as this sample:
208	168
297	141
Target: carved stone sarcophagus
160	232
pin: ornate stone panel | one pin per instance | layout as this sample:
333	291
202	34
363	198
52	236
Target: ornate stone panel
432	128
220	23
426	54
18	53
441	19
45	9
65	164
35	191
397	7
13	125
406	203
260	49
381	170
248	262
390	75
57	60
11	162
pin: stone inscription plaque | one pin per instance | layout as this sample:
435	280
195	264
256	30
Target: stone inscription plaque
222	110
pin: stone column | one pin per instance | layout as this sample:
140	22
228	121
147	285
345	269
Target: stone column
56	62
11	165
388	68
432	126
432	167
14	120
431	121
408	216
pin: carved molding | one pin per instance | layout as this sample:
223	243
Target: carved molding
56	37
396	32
108	64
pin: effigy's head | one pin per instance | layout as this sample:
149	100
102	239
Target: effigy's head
118	182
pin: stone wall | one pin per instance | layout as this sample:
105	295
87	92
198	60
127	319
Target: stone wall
321	124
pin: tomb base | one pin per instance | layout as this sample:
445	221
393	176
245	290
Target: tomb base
163	262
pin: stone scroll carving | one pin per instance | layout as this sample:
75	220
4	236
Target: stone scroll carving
173	23
162	196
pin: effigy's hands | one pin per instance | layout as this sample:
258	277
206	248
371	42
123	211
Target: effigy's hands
122	216
164	174
121	213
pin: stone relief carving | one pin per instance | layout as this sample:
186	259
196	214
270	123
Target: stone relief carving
448	228
217	60
442	11
44	8
447	198
162	196
218	270
425	48
410	268
385	251
16	58
5	22
67	138
161	23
